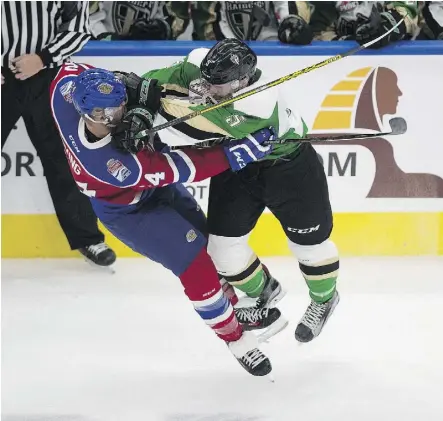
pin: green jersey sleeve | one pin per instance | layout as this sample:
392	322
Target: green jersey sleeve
177	77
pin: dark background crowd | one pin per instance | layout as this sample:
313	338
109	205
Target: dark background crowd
296	22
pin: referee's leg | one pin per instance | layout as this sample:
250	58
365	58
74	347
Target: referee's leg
10	104
73	209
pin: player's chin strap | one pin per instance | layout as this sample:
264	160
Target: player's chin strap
276	82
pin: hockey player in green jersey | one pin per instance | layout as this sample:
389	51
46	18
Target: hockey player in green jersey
290	182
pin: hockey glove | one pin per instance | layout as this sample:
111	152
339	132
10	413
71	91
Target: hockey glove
140	30
249	149
133	122
144	92
380	23
154	29
295	30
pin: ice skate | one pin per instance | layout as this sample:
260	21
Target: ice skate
315	318
246	352
268	321
272	292
99	254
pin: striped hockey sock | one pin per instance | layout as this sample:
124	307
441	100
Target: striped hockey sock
251	280
321	280
202	286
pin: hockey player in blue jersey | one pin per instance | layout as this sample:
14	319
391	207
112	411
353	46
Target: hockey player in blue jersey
139	198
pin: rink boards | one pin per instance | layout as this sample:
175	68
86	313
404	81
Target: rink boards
386	193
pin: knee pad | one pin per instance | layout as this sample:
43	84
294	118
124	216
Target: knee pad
231	255
315	255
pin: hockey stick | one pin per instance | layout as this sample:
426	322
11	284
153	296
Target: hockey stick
397	125
254	91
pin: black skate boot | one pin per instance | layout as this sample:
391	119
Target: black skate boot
272	292
246	352
99	254
315	318
269	319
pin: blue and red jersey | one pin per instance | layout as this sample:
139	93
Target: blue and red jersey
103	172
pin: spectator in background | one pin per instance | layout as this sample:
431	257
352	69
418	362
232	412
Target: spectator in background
262	21
432	21
364	21
134	20
32	53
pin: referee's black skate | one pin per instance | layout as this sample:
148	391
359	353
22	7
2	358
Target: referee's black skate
246	352
272	292
315	318
270	320
100	254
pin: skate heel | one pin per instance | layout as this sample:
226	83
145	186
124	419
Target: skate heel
246	352
276	297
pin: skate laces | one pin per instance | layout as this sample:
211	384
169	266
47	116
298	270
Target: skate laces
253	358
314	314
251	314
96	249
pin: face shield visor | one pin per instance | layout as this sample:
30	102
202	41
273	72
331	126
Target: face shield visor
108	116
215	93
226	90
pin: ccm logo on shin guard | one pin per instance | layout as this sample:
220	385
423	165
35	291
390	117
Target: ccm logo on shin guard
304	230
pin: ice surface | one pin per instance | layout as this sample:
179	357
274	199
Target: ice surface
80	344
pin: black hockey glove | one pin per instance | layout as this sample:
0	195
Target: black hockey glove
133	122
144	92
380	23
295	30
154	29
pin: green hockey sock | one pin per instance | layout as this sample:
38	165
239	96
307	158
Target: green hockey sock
251	281
321	279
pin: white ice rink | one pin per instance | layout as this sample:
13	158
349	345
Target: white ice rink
80	344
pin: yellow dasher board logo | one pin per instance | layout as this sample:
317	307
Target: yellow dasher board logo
358	103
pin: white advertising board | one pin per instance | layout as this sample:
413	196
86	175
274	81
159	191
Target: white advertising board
357	94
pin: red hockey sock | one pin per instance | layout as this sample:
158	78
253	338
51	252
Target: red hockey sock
228	290
202	286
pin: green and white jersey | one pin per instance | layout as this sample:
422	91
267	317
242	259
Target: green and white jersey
236	120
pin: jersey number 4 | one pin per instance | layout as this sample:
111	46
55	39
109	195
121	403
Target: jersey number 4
154	179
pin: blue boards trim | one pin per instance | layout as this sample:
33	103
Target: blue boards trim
268	48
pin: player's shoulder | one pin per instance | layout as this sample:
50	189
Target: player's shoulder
261	104
196	56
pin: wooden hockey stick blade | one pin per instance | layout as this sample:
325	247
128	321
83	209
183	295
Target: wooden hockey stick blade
262	88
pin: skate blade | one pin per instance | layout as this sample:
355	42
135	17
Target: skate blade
109	268
270	378
272	330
